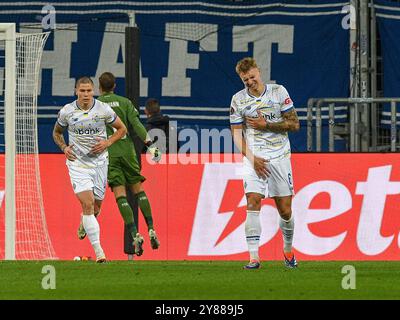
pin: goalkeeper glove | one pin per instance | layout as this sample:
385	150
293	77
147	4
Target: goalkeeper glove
154	151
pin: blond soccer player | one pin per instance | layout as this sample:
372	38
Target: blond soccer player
261	116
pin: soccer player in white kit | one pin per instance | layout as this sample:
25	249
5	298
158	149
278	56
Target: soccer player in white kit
261	116
87	157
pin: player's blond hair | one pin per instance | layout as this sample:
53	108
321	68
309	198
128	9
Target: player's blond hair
245	65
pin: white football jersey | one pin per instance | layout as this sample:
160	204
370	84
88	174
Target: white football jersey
272	103
85	128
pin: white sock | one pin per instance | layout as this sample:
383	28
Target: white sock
92	229
253	232
287	227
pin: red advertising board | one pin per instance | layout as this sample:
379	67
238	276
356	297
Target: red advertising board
346	207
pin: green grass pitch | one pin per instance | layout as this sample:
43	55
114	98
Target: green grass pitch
190	280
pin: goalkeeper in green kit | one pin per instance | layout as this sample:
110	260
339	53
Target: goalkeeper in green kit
123	168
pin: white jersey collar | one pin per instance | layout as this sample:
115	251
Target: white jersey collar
264	92
77	105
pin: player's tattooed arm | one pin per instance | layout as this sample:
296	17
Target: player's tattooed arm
290	122
60	142
58	136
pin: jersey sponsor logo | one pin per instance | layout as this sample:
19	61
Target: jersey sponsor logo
87	131
269	116
232	110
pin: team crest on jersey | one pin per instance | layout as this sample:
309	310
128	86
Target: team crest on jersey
96	118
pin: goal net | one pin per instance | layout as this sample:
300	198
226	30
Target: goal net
23	228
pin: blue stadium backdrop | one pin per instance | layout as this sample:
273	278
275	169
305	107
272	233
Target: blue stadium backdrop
189	51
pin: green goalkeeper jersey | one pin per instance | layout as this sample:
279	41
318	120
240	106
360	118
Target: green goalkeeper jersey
128	114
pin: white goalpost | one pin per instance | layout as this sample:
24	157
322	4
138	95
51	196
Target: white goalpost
23	228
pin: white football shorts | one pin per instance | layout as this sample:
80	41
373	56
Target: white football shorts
278	184
94	179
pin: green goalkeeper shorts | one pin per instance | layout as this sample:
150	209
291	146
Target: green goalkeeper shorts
124	171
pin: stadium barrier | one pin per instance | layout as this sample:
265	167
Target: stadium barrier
362	126
345	208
